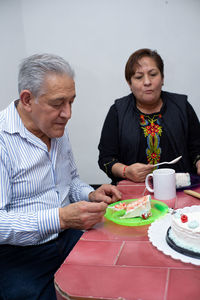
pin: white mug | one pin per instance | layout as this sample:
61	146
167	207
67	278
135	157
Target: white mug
164	184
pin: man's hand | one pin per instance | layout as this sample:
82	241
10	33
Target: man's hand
81	215
137	172
107	193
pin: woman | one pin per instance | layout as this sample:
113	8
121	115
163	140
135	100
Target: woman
149	125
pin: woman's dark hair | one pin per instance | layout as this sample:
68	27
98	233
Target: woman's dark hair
133	62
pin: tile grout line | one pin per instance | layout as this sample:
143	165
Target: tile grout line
120	250
167	284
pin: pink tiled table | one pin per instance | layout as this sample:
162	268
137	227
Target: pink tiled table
118	262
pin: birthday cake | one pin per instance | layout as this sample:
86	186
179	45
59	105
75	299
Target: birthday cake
138	208
185	232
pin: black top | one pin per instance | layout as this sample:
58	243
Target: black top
129	136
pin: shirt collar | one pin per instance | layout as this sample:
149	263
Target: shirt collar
13	124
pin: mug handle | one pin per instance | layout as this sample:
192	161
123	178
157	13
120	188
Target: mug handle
147	183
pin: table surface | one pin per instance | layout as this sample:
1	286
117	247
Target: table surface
119	262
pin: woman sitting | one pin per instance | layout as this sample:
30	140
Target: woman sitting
149	125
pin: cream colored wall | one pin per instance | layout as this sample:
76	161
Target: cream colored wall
12	48
97	37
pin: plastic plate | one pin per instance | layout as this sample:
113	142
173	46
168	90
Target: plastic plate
158	209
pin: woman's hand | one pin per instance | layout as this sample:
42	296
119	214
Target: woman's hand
137	172
198	166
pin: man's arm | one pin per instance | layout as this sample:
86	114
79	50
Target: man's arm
18	226
84	214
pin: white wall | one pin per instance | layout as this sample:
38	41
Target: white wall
97	37
12	48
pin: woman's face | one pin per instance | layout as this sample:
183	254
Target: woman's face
147	82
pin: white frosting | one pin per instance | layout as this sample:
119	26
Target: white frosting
186	235
182	179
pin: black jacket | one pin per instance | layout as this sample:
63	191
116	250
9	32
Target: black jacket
120	137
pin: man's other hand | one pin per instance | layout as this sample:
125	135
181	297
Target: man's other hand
107	193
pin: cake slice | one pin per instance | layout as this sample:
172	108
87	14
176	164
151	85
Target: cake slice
182	179
138	208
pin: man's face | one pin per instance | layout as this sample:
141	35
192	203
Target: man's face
51	110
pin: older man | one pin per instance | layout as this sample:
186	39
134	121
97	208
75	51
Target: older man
44	204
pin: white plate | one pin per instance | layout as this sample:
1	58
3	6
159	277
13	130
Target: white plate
157	236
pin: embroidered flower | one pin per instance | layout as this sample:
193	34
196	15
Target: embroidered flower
152	131
142	120
153	155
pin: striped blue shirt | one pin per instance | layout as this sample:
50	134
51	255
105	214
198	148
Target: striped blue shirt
34	182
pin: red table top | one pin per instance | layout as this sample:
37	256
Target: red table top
118	262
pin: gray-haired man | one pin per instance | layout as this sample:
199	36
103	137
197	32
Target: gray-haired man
44	204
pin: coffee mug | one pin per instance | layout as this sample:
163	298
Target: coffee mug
164	184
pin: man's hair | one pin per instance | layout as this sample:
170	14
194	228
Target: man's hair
33	69
133	62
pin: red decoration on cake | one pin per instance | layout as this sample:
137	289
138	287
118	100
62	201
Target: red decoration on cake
184	218
121	206
146	215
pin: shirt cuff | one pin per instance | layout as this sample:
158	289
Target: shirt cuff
48	222
85	192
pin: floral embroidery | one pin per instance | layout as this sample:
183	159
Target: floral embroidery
152	131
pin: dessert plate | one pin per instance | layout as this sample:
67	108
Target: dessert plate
157	236
158	209
195	181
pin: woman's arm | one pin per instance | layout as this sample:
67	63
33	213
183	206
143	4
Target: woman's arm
198	166
194	137
136	172
109	143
